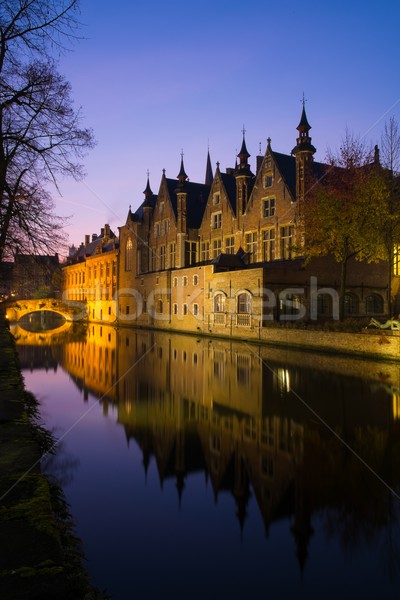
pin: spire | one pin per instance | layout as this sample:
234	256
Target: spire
243	168
303	142
303	126
182	175
147	192
209	174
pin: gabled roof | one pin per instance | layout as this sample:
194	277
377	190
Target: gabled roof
197	196
287	168
229	183
148	202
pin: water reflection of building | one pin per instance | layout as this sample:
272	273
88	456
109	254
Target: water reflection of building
93	362
227	409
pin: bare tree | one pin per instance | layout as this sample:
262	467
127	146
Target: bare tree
41	137
390	146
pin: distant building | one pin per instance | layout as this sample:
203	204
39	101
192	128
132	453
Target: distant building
6	280
35	275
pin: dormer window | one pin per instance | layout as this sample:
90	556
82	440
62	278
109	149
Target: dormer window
216	199
268	180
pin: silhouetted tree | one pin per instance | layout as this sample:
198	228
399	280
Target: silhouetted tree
41	137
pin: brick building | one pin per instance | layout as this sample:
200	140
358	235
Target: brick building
219	256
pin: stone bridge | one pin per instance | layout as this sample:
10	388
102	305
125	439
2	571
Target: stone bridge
71	310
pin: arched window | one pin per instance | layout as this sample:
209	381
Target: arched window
219	303
373	304
244	303
128	255
351	304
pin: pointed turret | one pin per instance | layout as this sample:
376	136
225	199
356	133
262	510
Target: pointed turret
182	177
209	174
243	177
303	151
243	168
303	142
147	192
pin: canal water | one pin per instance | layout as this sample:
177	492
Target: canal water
199	467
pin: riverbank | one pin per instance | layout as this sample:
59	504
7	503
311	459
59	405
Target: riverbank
369	343
40	558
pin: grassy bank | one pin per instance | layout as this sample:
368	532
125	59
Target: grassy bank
40	557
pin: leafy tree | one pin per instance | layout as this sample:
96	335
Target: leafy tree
336	209
41	137
383	189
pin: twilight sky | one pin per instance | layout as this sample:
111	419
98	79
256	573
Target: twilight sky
155	77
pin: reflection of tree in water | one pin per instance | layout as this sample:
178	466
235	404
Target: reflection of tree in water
60	465
350	494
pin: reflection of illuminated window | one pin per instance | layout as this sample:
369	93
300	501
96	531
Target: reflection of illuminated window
243	369
215	443
250	428
267	466
284	380
396	405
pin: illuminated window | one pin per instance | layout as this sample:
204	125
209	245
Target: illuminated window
190	253
172	254
153	260
162	258
244	303
268	180
286	242
216	220
230	245
268	244
128	256
251	245
205	251
268	207
219	303
396	260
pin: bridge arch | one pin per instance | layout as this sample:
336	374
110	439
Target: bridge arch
71	310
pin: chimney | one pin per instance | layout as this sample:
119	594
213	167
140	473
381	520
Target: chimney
107	231
94	237
87	240
102	232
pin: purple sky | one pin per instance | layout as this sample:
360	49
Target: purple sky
157	77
